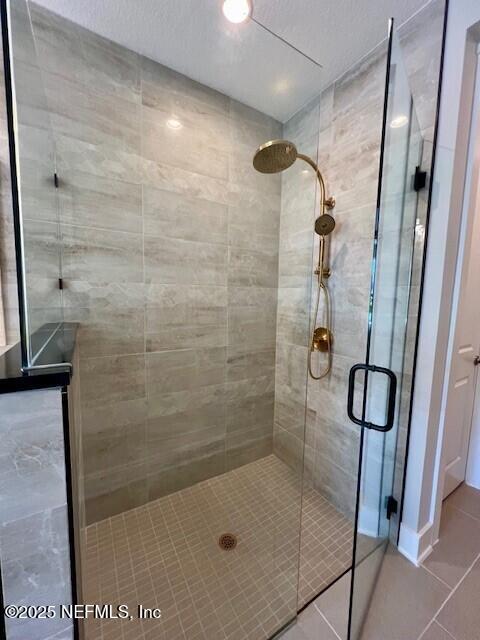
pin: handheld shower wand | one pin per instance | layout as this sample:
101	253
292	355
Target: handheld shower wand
322	336
278	155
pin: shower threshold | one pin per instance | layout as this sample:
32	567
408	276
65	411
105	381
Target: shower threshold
165	554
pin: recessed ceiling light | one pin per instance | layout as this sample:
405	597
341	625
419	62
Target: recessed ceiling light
237	11
173	123
399	121
282	86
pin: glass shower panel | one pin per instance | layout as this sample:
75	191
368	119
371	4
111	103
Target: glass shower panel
39	246
392	271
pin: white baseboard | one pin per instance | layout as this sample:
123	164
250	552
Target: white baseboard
416	546
473	481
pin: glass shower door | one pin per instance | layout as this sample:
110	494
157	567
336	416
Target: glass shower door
387	371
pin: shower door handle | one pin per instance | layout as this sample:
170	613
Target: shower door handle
392	394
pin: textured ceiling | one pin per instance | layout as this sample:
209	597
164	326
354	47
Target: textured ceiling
244	61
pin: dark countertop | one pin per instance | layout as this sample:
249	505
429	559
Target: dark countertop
58	350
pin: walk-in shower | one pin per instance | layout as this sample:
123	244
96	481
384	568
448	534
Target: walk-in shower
275	156
218	306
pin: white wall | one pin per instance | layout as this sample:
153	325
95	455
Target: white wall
419	529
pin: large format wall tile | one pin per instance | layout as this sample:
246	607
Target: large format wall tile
251	316
162	481
179	180
180	317
157	80
42	246
179	216
105	203
182	448
184	369
92	117
181	412
120	447
293	319
242	172
103	418
247	267
251	127
109	67
101	256
58	44
245	361
111	317
98	159
169	261
113	379
193	147
252	223
112	491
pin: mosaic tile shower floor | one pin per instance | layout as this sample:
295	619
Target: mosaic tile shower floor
165	554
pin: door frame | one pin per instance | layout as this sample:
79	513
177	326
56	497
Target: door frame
472	472
470	209
470	100
423	484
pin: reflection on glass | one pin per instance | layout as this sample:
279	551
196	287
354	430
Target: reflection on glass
38	199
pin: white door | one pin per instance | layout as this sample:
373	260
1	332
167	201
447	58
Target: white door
473	463
462	376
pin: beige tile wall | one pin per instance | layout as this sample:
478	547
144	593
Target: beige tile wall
341	130
170	265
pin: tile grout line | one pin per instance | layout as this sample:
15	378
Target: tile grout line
328	623
426	629
422	566
431	623
465	513
442	627
454	590
145	291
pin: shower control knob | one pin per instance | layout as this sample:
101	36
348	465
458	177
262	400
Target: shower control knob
476	361
330	202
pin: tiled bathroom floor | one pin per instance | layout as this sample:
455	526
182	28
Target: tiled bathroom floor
437	601
166	555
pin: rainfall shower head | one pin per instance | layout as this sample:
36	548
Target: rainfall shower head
275	156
